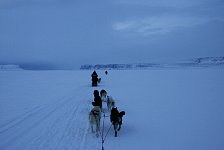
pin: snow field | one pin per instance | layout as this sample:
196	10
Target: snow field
165	109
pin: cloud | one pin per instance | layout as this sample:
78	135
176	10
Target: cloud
166	3
165	16
158	25
22	3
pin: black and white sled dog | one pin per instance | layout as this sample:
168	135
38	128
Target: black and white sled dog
94	119
103	95
117	124
116	118
110	103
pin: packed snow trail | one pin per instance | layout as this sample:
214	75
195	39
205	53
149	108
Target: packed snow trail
61	125
56	116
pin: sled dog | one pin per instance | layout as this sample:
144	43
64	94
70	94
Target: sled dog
94	119
103	95
116	119
117	124
110	103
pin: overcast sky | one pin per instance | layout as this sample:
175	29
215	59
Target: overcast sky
69	33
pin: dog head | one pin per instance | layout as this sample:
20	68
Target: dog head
122	113
96	93
96	110
103	92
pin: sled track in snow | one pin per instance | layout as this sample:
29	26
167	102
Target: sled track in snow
20	119
61	125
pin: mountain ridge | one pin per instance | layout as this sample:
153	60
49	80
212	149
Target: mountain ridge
197	62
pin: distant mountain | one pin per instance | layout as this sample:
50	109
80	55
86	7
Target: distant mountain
198	62
10	67
210	60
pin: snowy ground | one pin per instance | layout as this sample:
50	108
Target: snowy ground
178	109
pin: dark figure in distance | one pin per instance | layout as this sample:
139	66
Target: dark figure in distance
94	78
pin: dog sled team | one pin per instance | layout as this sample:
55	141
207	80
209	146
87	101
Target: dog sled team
96	112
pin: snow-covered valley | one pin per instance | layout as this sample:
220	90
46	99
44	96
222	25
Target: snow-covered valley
172	109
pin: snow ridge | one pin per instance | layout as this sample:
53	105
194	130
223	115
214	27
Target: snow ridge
10	67
198	62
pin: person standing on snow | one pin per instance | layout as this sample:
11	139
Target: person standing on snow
94	78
